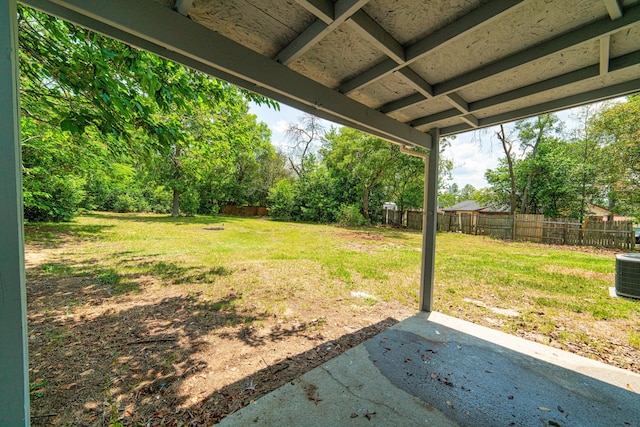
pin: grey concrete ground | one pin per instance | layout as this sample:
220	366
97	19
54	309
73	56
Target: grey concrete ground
435	370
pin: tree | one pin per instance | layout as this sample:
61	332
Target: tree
305	136
405	182
507	146
532	133
363	160
617	129
135	106
586	147
315	194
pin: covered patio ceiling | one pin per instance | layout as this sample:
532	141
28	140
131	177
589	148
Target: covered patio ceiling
394	68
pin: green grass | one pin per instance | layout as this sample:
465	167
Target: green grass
265	266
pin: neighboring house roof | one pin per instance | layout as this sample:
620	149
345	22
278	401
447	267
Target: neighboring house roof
595	210
467	205
490	209
473	206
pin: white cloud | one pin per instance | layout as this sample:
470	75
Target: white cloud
280	126
471	156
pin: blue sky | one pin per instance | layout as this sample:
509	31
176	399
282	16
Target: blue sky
472	152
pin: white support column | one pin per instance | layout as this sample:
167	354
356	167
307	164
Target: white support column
429	224
14	366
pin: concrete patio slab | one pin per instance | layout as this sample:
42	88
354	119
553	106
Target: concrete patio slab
437	370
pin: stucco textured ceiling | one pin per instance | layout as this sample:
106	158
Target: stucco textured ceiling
396	68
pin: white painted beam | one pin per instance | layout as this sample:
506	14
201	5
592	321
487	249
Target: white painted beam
180	39
605	45
14	366
614	9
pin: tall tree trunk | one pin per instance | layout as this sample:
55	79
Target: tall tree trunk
524	207
543	125
365	202
177	171
507	146
175	205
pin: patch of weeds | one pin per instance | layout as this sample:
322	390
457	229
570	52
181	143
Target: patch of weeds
583	338
220	271
606	311
341	272
370	301
232	319
224	304
546	328
55	269
450	291
282	256
547	302
634	339
167	271
36	388
206	275
113	280
55	337
126	287
168	361
108	277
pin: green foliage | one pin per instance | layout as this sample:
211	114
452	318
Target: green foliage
315	195
617	129
350	216
135	127
560	175
51	198
359	160
281	200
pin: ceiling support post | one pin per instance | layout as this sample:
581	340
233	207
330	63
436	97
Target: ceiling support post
429	224
14	366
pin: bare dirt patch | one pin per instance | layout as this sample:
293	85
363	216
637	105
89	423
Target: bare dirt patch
166	356
362	235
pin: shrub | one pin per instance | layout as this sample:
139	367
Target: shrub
52	198
350	216
281	200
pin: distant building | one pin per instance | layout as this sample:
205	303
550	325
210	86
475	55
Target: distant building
602	214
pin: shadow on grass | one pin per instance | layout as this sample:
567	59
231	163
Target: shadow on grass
136	363
51	235
61	284
165	219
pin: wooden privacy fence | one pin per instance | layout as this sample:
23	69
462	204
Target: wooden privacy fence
528	228
243	210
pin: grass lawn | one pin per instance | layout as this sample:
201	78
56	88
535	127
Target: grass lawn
175	287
